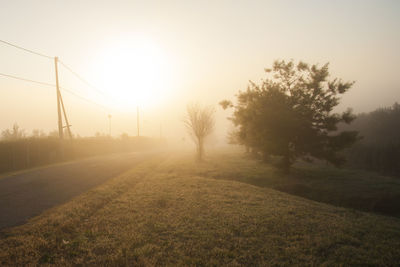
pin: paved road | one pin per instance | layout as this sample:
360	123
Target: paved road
27	194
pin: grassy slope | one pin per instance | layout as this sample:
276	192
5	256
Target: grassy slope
168	211
356	189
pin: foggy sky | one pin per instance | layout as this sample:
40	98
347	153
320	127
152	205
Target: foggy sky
215	47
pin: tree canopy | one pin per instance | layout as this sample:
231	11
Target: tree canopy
290	114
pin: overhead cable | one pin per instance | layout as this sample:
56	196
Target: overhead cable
80	77
53	85
26	50
26	80
49	84
83	98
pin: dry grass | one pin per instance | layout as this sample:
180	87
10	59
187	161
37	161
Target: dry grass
168	211
357	189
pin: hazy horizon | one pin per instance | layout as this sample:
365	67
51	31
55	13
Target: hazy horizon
188	52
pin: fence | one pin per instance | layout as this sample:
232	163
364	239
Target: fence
32	152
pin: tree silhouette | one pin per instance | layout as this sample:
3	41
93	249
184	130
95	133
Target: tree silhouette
379	150
199	123
13	134
290	115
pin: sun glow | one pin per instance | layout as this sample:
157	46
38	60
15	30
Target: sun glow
134	73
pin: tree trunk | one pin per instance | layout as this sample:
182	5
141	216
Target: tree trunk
200	150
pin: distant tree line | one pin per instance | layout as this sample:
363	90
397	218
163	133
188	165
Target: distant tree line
379	148
17	133
20	151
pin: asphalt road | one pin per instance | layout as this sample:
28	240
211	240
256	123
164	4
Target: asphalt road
27	194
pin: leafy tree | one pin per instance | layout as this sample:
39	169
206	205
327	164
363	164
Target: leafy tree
199	123
290	114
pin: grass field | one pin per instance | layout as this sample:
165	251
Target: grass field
349	188
226	211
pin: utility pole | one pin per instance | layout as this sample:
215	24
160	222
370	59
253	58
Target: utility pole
60	126
65	117
109	124
137	120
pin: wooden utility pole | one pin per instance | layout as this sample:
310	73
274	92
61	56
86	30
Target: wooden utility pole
60	126
65	117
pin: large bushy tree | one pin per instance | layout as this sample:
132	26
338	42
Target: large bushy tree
290	114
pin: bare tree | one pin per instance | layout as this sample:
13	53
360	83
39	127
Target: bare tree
14	134
200	123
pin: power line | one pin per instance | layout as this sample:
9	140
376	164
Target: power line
26	50
49	57
83	98
81	78
53	85
26	80
87	83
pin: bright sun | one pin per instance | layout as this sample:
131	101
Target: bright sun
134	73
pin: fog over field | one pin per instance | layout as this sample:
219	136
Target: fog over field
199	133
